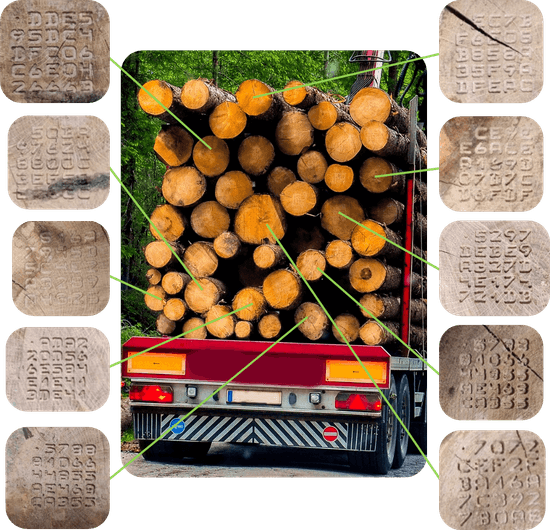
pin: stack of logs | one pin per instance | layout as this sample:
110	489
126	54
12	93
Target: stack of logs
293	160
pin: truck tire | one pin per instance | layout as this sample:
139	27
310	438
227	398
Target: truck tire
403	408
170	451
380	461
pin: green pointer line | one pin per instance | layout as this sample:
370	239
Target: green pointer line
395	244
406	172
344	75
179	336
211	395
158	231
136	288
167	110
353	351
379	322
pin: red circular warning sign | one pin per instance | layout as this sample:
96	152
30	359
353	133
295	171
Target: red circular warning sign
330	434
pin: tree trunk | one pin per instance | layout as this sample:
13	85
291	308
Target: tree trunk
368	244
343	142
249	295
169	221
339	254
165	326
256	154
209	219
282	289
293	133
175	309
201	95
346	325
254	214
173	145
158	253
227	120
278	179
336	224
190	331
153	276
373	334
268	256
183	186
367	275
223	328
168	95
233	188
244	329
269	326
308	263
299	198
339	178
382	306
387	211
154	304
201	301
374	166
227	245
201	259
214	161
317	323
174	282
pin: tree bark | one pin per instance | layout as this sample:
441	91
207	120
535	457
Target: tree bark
418	309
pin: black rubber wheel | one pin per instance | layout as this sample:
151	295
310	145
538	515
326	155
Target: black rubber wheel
419	432
380	461
170	451
403	408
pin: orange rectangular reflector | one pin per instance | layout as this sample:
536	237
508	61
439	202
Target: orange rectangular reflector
157	363
353	372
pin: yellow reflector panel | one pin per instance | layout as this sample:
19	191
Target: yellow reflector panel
157	363
352	372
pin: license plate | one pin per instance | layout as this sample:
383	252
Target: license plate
257	397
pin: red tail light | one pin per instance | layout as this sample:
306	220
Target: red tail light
368	402
156	393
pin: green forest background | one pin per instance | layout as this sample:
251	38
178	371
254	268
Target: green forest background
142	172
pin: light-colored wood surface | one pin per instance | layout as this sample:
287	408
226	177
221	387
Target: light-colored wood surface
60	268
491	164
34	32
491	372
58	162
492	479
494	268
57	369
491	52
57	477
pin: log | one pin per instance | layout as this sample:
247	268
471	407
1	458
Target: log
158	253
214	161
154	304
153	276
317	323
168	95
335	223
209	219
343	142
169	221
368	274
249	295
347	325
311	167
417	336
382	306
305	97
282	289
269	326
201	259
421	191
420	227
418	285
165	326
368	244
227	120
232	188
387	211
294	133
339	178
299	198
264	108
201	95
308	263
183	186
254	214
173	145
418	310
326	113
373	334
374	166
268	256
244	329
223	328
278	179
174	282
227	245
175	309
339	254
256	153
189	328
201	301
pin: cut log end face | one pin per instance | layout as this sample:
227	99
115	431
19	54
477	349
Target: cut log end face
295	96
227	120
323	115
190	328
246	296
269	326
161	91
309	263
173	145
282	289
201	259
158	254
367	243
370	103
343	142
174	282
370	169
299	198
214	161
253	216
346	325
243	329
200	301
256	154
372	333
367	275
175	309
267	256
339	178
169	222
154	293
153	276
339	254
374	135
317	321
183	186
294	133
227	245
210	219
233	188
246	100
336	224
165	326
279	178
312	167
222	328
194	94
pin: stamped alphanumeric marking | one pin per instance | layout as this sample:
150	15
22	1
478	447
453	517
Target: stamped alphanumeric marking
491	51
57	477
60	268
58	162
491	164
57	369
494	268
492	479
54	51
491	372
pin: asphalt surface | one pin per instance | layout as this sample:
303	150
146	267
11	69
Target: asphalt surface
228	460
